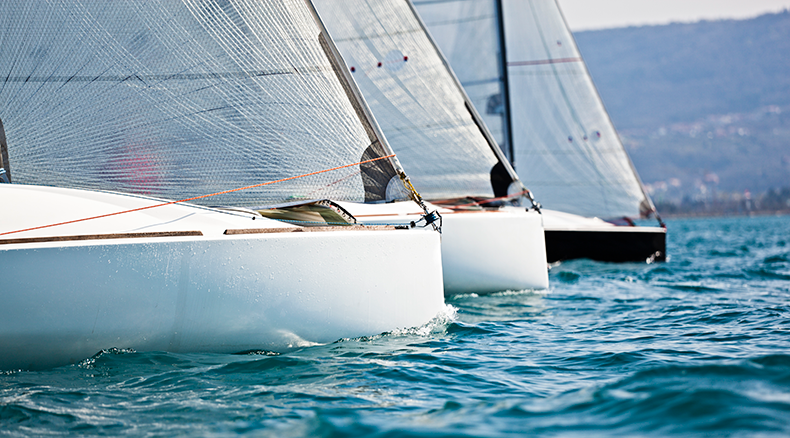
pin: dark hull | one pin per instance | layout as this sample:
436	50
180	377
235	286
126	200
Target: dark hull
627	245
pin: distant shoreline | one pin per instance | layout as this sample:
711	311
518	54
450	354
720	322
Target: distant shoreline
702	215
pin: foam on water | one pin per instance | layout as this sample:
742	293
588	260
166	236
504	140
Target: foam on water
697	346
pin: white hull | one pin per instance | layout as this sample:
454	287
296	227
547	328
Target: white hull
554	220
63	301
482	251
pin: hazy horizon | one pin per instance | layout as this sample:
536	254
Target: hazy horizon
604	14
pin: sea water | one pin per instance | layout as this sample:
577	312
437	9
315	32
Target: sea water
696	346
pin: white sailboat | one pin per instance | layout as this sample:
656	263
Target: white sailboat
489	243
113	112
518	61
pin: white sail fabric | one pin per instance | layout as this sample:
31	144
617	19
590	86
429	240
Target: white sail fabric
566	148
467	32
180	98
419	105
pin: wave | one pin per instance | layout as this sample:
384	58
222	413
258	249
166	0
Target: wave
744	398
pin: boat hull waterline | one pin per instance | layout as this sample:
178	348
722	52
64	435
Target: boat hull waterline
64	301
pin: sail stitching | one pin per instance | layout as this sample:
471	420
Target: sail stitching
163	77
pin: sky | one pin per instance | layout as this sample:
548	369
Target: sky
602	14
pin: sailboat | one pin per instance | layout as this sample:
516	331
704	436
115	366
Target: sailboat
144	145
521	67
492	236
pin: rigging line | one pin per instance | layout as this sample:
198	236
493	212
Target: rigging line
159	77
346	224
198	197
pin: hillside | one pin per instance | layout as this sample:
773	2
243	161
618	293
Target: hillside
703	108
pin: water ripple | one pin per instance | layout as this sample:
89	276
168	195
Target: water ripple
697	346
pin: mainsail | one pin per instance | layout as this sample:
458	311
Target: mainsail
419	104
565	146
180	98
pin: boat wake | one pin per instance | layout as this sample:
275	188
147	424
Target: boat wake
438	325
90	362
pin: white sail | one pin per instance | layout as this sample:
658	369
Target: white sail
565	147
177	99
417	101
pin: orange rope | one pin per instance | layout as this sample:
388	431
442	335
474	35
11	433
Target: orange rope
487	201
198	197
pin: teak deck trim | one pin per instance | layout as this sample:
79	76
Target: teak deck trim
310	229
229	232
101	237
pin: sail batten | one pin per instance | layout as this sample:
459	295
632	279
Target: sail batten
179	98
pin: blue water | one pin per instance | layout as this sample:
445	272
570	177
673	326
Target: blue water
697	346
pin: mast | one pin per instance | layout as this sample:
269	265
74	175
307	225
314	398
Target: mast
506	120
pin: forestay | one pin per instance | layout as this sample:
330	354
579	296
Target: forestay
183	98
419	104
